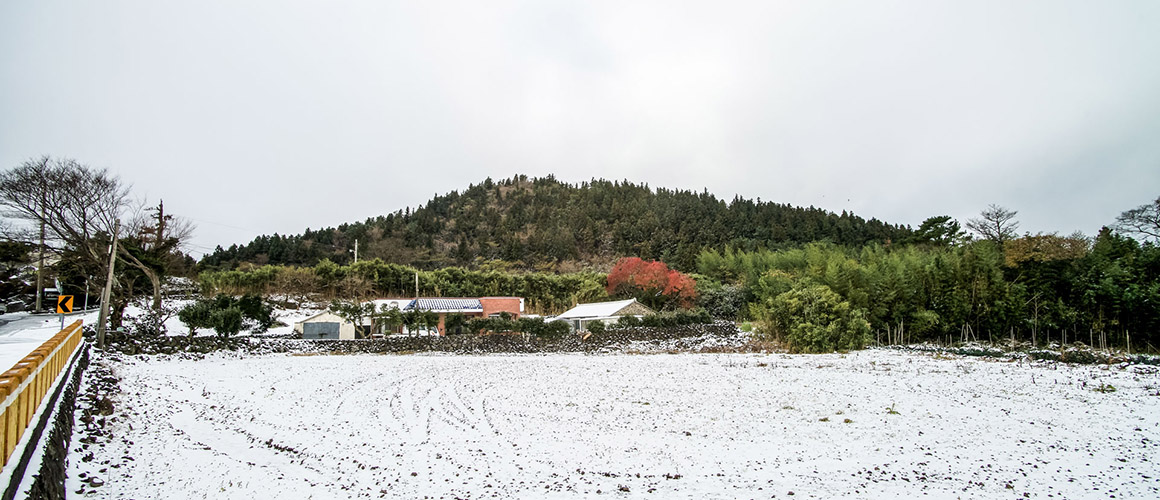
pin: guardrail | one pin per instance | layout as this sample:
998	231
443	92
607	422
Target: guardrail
24	386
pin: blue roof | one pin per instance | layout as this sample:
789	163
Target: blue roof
445	305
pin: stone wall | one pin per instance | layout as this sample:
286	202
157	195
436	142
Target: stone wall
459	344
48	482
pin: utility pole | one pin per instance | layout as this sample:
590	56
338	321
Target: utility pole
40	267
104	315
416	284
356	251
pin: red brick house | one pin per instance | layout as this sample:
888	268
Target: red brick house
482	307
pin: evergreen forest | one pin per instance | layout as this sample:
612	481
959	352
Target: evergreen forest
545	224
812	279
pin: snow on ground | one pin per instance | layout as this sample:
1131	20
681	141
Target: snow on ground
871	424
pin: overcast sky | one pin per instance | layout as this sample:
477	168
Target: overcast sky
261	117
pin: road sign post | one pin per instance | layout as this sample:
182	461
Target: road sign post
64	305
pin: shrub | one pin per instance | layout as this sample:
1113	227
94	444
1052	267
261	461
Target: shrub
653	320
197	315
255	309
248	311
227	322
479	325
494	325
628	321
725	301
813	318
597	327
555	329
455	323
668	319
529	325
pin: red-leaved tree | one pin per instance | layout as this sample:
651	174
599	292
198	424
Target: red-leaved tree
652	283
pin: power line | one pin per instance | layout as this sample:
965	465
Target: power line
224	225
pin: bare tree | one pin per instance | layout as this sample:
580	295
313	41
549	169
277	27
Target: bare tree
150	239
77	204
1142	221
995	223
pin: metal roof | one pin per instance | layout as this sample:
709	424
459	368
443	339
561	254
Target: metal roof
596	310
445	305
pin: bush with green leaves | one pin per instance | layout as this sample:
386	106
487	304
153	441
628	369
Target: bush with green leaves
597	327
667	319
257	310
228	315
197	315
813	318
726	301
227	322
628	321
554	329
455	323
531	326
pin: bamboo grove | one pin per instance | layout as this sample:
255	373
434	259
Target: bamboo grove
1038	288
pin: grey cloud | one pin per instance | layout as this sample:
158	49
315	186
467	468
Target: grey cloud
275	116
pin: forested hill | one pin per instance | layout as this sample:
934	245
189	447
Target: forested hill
544	223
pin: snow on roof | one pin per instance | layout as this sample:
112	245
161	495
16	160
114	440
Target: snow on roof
320	313
596	310
439	304
396	303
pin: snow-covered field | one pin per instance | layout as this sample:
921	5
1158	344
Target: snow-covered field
871	424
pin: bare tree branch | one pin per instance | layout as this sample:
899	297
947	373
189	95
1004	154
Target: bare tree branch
995	223
1142	221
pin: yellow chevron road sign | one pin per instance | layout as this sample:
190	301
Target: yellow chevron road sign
64	304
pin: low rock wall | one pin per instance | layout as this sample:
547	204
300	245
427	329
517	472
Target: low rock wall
49	481
457	344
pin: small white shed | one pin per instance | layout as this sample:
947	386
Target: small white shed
325	325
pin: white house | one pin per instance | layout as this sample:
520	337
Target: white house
327	325
605	312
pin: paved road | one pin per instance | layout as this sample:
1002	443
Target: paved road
21	333
17	321
11	323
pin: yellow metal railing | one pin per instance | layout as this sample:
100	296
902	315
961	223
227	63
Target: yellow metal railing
23	387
